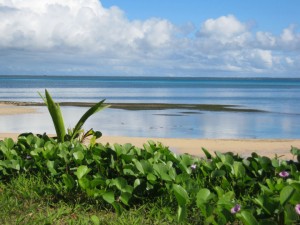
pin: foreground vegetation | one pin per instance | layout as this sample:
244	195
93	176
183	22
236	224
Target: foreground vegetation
61	180
45	180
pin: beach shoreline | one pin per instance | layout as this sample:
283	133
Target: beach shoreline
142	106
243	147
193	146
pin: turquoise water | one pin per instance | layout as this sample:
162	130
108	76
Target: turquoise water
279	97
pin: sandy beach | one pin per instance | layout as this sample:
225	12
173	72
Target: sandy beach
243	147
12	109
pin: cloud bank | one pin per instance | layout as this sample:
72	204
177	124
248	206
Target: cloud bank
81	37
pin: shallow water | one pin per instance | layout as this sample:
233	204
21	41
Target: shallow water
163	123
279	97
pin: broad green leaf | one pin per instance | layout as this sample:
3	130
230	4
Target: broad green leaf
117	206
143	166
149	186
5	163
180	194
15	164
265	189
125	197
247	218
56	116
172	173
181	213
9	143
147	167
275	163
64	154
109	197
260	200
228	159
120	183
82	171
97	182
84	183
127	147
119	149
186	160
162	171
78	155
128	171
139	166
49	153
219	191
148	148
128	189
218	173
151	143
226	200
295	151
270	184
49	146
246	162
207	154
295	198
239	170
95	220
137	182
50	166
151	177
285	194
296	186
203	196
265	163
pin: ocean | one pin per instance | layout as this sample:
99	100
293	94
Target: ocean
275	103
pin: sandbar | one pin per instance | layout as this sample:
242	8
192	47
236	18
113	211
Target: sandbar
12	109
148	106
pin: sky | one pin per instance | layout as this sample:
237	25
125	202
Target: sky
216	38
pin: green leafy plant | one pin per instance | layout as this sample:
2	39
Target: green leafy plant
218	189
58	121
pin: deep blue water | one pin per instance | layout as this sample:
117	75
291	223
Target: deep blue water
279	97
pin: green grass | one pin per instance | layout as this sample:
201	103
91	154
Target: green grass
27	199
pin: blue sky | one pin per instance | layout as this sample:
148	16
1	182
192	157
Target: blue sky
269	15
150	38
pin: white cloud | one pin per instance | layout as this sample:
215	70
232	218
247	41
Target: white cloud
224	26
83	37
75	24
261	59
289	61
290	39
225	32
288	35
266	39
